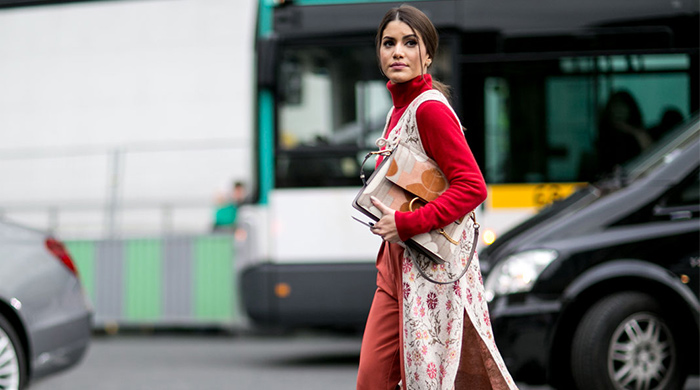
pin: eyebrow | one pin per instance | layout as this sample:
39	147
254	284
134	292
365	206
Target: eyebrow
404	37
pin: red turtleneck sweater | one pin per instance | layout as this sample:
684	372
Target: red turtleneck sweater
444	142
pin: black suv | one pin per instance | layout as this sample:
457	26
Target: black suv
600	291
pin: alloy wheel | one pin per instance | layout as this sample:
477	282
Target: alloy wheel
641	353
9	363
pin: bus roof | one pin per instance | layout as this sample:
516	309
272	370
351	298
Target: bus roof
505	17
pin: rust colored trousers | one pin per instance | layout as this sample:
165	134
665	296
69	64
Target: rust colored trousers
381	356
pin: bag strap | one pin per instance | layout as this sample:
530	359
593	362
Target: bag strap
466	267
385	153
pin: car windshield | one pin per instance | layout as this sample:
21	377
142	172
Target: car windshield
663	151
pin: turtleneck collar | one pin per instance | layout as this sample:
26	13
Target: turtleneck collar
402	94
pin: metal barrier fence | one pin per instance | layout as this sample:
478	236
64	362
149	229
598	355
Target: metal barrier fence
187	281
161	187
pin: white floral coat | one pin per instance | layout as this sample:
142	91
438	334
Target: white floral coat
433	314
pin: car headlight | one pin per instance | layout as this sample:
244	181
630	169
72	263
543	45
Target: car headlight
518	272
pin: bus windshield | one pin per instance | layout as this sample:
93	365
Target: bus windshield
332	106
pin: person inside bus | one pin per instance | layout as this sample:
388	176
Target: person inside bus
671	118
421	335
621	132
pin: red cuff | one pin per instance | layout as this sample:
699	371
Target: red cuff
406	230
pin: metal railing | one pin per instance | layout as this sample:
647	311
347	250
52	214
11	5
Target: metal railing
107	213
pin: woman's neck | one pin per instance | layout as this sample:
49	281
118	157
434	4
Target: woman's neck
403	93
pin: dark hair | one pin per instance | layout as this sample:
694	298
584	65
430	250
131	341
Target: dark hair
626	99
422	26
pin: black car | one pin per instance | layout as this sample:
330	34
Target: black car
600	290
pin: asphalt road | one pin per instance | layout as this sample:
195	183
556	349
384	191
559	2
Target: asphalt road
186	361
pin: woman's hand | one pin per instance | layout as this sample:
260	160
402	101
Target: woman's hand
386	226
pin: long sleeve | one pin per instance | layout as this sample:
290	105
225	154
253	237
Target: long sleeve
444	142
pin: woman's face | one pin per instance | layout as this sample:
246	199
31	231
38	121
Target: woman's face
401	52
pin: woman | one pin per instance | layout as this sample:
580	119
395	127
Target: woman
421	334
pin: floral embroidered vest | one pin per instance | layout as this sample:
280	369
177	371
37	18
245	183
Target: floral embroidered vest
433	314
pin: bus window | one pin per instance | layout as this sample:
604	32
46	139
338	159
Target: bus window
332	107
574	119
497	129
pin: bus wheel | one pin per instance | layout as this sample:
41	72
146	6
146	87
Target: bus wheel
624	342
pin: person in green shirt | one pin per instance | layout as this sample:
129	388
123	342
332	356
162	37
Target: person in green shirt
226	211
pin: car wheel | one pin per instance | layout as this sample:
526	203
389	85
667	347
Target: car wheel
12	366
624	342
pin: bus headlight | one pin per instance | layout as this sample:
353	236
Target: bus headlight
518	272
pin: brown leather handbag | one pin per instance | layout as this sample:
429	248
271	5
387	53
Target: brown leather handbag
406	180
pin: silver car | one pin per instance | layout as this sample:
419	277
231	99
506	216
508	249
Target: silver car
45	317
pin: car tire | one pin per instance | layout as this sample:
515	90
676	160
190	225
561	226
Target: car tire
624	342
13	370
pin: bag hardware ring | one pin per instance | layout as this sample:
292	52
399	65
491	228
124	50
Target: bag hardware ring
441	231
